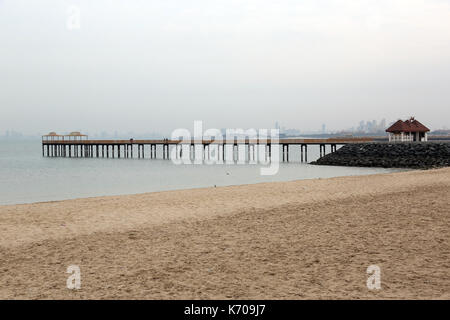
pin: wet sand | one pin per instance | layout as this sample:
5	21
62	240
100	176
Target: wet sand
309	239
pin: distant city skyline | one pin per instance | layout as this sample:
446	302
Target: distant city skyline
363	127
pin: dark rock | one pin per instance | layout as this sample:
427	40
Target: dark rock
421	155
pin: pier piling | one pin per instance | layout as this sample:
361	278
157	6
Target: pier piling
245	150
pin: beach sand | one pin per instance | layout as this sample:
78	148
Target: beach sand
310	239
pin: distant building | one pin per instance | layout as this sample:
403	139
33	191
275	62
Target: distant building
406	131
277	126
441	132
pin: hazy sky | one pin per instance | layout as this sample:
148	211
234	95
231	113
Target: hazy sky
159	65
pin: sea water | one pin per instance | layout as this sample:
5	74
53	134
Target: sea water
26	176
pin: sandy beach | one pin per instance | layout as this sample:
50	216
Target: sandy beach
309	239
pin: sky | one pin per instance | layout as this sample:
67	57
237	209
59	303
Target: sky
158	65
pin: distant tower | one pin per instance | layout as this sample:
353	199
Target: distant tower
323	128
277	126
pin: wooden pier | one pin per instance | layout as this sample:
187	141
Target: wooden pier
70	146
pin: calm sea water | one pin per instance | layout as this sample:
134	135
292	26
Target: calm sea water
26	176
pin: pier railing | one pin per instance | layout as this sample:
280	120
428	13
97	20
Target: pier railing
328	141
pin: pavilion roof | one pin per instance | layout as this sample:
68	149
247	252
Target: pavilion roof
76	134
410	125
52	134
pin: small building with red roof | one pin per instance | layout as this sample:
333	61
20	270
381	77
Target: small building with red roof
407	131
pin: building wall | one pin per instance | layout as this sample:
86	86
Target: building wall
407	137
401	137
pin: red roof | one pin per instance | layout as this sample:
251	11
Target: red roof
411	125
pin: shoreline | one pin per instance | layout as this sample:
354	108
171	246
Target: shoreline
302	239
173	194
394	170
